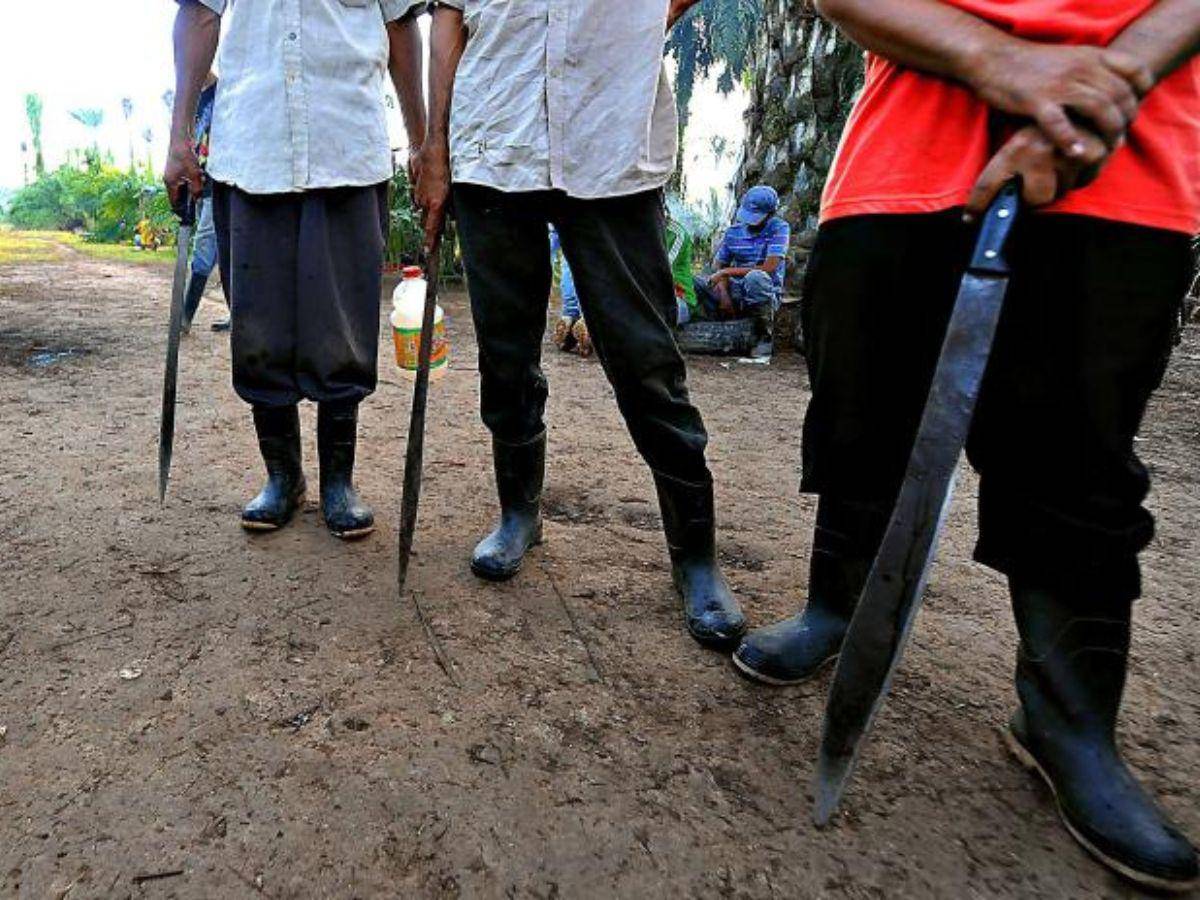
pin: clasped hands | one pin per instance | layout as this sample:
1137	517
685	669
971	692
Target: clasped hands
1078	103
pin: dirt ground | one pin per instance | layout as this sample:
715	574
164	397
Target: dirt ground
291	735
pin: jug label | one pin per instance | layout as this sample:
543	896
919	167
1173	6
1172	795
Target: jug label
408	345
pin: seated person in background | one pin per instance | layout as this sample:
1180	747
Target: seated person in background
570	333
751	265
145	238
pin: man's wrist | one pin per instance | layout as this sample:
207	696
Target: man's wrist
977	62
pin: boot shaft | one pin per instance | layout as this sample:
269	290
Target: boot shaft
1072	658
688	517
520	473
278	430
845	542
337	440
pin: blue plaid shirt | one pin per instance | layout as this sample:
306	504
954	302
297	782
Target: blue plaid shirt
742	248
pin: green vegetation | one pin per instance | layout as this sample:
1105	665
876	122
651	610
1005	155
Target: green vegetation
406	234
95	198
706	220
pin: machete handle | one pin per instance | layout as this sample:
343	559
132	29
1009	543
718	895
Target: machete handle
184	206
996	226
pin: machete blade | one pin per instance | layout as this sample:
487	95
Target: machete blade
415	453
883	620
166	429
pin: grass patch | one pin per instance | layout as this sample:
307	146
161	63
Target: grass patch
17	247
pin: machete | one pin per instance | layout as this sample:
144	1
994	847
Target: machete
415	453
185	209
883	620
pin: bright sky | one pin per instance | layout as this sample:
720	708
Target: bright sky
75	57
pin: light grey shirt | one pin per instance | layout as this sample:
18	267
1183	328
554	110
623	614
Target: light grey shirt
300	98
563	94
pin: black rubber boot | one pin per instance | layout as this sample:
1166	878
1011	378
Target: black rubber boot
1070	675
845	542
764	331
191	299
345	514
520	473
279	442
710	611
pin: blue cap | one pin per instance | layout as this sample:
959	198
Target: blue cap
757	205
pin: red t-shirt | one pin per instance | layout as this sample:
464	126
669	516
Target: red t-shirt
916	143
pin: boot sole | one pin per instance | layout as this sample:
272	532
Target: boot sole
251	525
353	534
494	577
755	675
720	643
1029	761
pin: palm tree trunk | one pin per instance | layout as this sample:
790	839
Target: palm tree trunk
806	75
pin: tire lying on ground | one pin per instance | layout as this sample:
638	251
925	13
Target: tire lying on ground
732	337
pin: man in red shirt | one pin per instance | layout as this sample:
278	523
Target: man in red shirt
1095	104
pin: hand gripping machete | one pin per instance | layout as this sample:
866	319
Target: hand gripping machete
414	456
891	597
185	209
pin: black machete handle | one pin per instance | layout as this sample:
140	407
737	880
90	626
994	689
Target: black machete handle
997	224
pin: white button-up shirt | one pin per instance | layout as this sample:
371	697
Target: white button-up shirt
300	100
569	95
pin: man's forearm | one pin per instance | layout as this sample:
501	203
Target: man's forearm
404	65
1164	37
926	35
447	41
197	30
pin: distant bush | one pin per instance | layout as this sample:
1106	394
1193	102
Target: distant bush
407	234
706	221
102	201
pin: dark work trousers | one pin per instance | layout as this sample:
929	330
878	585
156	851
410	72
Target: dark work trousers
615	249
305	273
1082	343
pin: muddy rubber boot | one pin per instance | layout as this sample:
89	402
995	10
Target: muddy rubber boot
520	473
279	442
710	611
844	545
346	515
764	331
1070	675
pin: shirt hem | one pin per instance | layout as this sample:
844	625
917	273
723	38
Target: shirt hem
260	188
495	185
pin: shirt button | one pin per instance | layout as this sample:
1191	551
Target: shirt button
292	36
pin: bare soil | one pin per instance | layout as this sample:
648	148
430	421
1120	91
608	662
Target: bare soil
282	727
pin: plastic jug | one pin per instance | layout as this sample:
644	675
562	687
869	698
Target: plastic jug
408	308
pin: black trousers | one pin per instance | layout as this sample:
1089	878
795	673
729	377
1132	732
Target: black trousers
617	255
305	273
1083	341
